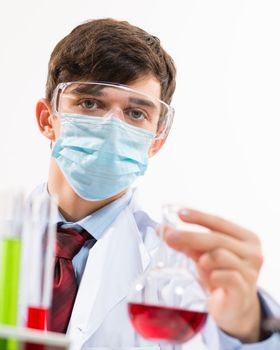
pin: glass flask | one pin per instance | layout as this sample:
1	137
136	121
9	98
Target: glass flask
167	303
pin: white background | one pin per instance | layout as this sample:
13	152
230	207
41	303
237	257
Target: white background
223	154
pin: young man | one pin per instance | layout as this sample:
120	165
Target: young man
102	134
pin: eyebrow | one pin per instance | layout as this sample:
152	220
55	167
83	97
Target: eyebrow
142	102
90	89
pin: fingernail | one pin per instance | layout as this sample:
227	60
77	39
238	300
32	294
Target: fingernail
184	212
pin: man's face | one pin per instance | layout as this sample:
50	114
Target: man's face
49	123
49	118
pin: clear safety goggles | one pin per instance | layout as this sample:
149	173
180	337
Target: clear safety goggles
106	99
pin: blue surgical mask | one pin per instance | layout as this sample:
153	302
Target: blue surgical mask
100	157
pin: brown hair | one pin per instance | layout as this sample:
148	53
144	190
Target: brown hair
112	51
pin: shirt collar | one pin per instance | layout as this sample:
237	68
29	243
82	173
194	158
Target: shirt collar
97	222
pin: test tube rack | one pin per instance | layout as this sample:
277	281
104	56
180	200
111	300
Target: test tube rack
50	340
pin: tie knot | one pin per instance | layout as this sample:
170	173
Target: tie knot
69	241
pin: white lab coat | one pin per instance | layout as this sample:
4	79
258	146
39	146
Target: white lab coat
99	319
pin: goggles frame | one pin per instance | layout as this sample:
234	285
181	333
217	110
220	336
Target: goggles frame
61	87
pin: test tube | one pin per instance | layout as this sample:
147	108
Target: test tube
11	215
39	247
41	226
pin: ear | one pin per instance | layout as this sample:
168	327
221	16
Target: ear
156	146
44	118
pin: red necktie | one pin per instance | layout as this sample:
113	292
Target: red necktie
65	287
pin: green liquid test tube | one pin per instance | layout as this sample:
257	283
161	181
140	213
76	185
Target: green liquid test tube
9	283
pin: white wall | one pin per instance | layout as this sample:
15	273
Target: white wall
223	152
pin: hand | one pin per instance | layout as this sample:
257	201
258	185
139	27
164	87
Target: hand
228	261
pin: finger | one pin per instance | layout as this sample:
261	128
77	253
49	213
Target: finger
163	231
232	292
217	224
221	259
236	291
192	241
231	281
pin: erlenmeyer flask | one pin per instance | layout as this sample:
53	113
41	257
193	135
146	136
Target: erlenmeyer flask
167	303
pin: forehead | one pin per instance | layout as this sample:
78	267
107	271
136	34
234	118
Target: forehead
148	85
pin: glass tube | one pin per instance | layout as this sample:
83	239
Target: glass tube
11	215
39	247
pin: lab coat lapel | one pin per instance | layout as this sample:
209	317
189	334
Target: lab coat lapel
113	264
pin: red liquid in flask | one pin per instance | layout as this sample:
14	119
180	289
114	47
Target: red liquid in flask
165	323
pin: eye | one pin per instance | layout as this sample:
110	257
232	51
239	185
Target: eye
137	114
89	104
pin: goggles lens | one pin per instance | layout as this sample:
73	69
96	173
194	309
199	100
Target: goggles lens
104	100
